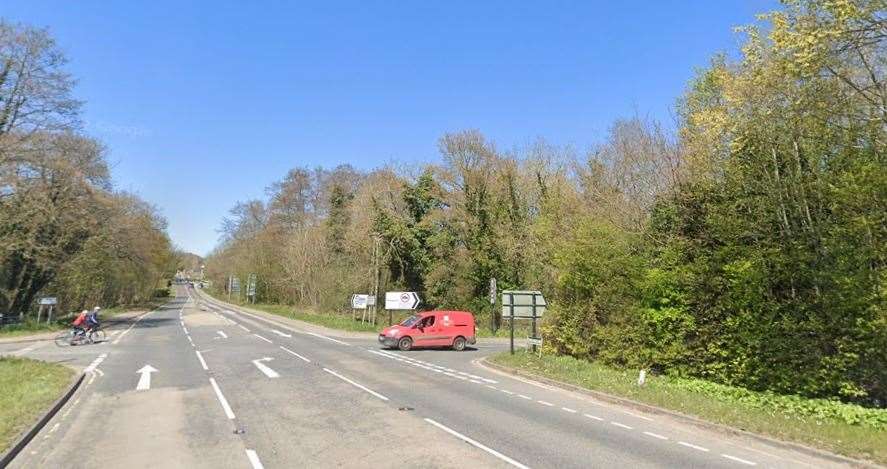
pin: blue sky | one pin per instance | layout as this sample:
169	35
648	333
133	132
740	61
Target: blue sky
205	103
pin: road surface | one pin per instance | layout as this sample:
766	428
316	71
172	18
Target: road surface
198	383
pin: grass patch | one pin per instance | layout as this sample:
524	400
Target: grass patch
777	416
29	327
27	389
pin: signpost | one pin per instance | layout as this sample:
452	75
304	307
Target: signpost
359	301
523	304
251	288
50	301
400	300
233	287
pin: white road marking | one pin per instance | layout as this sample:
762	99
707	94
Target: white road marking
130	328
549	404
264	368
266	340
477	445
222	400
275	331
189	340
636	415
740	460
92	366
145	378
91	378
254	459
691	445
524	397
202	361
25	350
494	388
355	384
567	409
185	329
594	417
510	393
476	381
656	435
296	354
621	425
222	334
328	338
242	327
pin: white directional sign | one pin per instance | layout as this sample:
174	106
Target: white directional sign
359	301
49	300
371	300
145	378
401	300
522	304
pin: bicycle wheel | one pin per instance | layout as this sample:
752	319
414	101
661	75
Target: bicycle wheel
63	339
97	336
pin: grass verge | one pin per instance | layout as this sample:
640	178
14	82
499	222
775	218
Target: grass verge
832	434
27	389
30	327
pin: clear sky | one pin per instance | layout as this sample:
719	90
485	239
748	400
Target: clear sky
205	103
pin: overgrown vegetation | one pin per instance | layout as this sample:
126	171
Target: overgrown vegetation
747	249
64	230
27	389
847	429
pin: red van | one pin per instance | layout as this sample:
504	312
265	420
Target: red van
431	329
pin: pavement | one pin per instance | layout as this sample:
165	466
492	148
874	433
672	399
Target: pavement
199	383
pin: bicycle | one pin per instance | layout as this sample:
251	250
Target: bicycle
77	337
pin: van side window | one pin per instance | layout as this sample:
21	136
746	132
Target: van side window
428	322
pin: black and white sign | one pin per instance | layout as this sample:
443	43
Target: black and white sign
401	300
49	300
522	304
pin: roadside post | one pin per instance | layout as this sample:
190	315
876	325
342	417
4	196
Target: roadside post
371	301
524	304
251	288
400	300
493	305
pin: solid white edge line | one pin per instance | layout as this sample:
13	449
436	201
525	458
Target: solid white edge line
202	361
296	354
740	460
691	445
656	435
328	338
477	444
355	384
254	459
227	408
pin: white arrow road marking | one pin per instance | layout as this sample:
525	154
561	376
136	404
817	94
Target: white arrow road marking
264	368
145	379
224	336
280	333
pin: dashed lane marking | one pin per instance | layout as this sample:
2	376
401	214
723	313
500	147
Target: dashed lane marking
740	460
296	354
227	408
691	445
656	435
355	384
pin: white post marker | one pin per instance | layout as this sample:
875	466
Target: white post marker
264	368
145	378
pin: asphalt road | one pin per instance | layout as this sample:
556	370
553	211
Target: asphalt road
237	389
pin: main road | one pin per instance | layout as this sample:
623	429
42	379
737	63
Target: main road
200	383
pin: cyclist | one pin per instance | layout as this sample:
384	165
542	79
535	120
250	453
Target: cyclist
80	323
92	319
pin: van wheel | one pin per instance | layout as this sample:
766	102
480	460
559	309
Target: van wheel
459	344
405	343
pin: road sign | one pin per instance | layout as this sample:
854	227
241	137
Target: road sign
251	285
492	291
359	301
522	304
401	300
371	300
534	341
49	300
